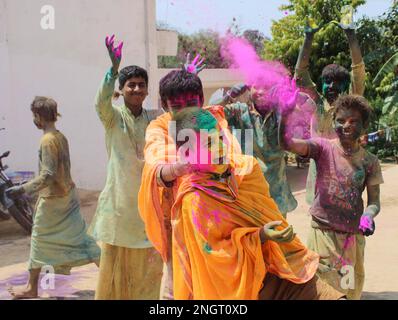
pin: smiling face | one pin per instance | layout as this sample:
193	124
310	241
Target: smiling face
349	125
134	91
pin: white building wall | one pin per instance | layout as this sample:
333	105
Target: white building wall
67	64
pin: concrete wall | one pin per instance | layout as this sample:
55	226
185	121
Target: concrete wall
213	79
67	64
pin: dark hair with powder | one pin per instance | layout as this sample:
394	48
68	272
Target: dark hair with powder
354	102
194	118
180	82
337	73
45	107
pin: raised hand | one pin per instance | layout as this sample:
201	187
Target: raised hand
347	19
282	236
195	66
115	52
237	90
311	26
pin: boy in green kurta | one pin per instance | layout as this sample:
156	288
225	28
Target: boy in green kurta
130	268
59	237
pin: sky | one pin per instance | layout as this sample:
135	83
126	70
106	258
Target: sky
189	16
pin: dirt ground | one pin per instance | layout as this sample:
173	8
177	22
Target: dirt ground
381	256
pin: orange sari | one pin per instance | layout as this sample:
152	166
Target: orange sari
155	202
217	252
216	249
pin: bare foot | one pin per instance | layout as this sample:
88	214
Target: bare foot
23	292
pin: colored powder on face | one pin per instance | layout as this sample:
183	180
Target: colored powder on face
205	120
207	248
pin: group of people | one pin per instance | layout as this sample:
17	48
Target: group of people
187	213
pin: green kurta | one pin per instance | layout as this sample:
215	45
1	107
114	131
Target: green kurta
117	220
59	237
265	148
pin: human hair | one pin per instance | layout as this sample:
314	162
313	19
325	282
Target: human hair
337	73
180	82
193	118
132	72
46	108
354	102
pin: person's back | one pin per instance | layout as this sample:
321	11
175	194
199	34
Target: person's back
59	237
56	144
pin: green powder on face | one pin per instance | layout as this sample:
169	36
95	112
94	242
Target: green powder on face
207	248
205	120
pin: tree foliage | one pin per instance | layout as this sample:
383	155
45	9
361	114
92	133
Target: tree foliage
207	43
330	44
378	39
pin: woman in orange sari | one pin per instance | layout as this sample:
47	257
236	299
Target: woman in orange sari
161	174
215	223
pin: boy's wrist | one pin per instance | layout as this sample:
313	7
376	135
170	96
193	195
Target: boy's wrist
114	71
350	33
371	215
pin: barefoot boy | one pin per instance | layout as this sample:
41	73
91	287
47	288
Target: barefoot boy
339	220
59	236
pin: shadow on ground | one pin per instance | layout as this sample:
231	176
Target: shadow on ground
387	295
297	177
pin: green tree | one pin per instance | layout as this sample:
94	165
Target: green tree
205	42
256	38
330	44
379	42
